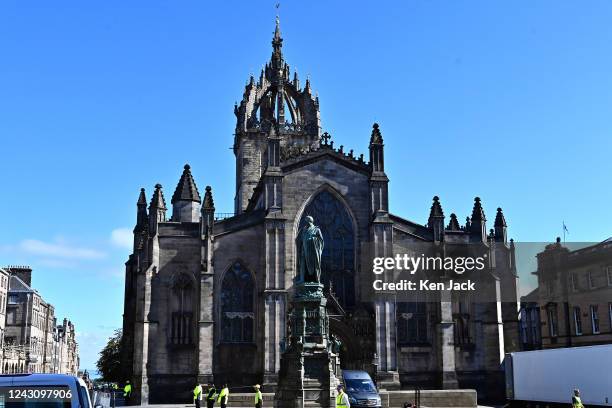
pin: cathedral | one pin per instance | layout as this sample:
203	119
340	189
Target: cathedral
208	295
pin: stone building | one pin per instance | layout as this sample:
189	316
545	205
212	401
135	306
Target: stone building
31	341
67	349
531	330
4	285
207	297
574	295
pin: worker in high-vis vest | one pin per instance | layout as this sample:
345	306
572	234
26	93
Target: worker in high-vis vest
197	395
342	400
576	401
211	396
258	397
127	392
223	396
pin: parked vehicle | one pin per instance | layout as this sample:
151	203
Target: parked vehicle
360	389
43	390
550	376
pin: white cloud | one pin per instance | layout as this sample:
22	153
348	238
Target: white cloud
58	250
122	238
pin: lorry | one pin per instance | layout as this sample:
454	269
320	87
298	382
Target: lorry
549	377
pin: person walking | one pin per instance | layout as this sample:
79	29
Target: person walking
258	397
342	400
223	396
197	395
127	392
576	401
210	397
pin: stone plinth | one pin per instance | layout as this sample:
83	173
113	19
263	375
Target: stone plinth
308	369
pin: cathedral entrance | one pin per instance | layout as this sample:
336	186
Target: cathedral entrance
356	346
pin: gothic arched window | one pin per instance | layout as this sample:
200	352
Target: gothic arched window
338	258
237	294
181	327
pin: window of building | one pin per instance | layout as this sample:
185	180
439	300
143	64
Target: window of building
610	314
591	280
609	274
461	318
573	283
577	321
552	320
182	323
11	316
534	319
237	296
594	319
338	257
12	299
412	323
523	320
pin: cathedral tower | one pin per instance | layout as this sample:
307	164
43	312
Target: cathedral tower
277	102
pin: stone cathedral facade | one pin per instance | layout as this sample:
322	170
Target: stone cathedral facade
207	296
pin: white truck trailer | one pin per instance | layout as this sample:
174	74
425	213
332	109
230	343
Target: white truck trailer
548	377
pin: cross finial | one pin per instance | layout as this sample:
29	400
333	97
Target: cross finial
325	138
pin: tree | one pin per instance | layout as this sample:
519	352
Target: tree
109	363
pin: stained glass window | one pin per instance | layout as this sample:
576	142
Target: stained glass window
237	305
338	258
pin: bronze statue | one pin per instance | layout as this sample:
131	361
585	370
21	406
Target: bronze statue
309	244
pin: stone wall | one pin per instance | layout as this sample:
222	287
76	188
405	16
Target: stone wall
390	399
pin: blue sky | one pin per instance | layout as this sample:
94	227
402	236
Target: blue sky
509	101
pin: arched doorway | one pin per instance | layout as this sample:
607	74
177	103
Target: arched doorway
358	341
338	258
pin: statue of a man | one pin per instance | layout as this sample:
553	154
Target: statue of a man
309	244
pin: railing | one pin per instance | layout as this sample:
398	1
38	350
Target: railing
222	216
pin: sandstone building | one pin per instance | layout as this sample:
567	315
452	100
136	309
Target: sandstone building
207	297
572	305
32	341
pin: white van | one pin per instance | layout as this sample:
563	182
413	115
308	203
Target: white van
43	391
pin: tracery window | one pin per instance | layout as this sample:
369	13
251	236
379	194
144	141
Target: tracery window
237	295
338	258
181	327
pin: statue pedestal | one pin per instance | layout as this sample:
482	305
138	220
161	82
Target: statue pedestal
309	367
